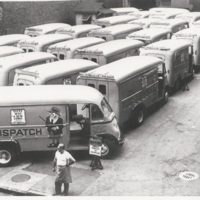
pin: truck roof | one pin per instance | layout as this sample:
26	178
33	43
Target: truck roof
110	47
168	9
141	14
9	50
168	22
188	32
196	24
167	45
164	15
42	95
191	14
124	68
148	34
78	28
125	9
144	21
9	62
117	29
76	43
188	16
45	39
56	69
12	38
114	19
46	27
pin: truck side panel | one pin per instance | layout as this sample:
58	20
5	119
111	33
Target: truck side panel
26	125
141	89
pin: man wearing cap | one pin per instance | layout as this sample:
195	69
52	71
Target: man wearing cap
54	125
61	164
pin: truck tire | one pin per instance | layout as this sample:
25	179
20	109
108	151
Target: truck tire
177	85
7	157
139	116
166	97
107	148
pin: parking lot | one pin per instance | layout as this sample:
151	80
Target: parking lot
150	162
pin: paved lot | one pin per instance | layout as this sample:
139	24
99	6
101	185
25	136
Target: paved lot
149	164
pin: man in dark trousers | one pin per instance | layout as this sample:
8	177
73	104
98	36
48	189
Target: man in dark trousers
61	164
54	126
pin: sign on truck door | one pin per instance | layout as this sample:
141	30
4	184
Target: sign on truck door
28	125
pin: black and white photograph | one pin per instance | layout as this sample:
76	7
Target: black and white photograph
100	98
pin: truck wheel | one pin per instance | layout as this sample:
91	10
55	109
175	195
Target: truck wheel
177	85
166	97
192	73
139	116
7	157
107	148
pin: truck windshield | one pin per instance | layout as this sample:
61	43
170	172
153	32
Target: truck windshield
107	110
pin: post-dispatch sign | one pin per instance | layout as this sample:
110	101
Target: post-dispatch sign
18	116
95	145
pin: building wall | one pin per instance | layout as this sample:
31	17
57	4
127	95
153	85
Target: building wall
113	3
143	4
193	5
18	15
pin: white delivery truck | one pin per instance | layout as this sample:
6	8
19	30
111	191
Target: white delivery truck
177	58
78	31
10	63
44	29
25	113
130	85
114	32
66	50
42	42
62	72
191	35
110	51
150	35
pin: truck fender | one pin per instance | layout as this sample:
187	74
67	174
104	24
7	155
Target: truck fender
11	144
137	115
109	145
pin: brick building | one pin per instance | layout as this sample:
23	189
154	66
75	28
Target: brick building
15	16
193	5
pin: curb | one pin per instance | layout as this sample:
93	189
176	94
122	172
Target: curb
22	193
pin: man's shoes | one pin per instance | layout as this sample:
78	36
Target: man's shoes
92	164
93	168
55	194
97	167
100	167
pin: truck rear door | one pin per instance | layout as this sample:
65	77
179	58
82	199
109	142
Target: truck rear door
100	85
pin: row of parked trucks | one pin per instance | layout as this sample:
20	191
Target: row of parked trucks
125	77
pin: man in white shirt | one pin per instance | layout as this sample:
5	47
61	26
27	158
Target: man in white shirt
61	164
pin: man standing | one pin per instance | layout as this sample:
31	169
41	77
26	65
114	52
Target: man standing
61	164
